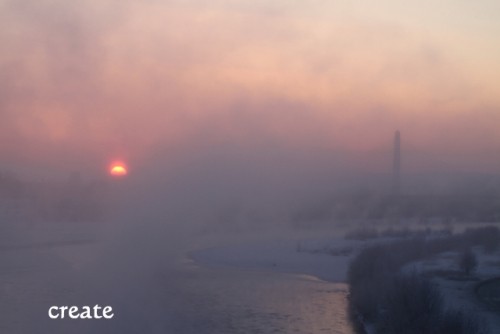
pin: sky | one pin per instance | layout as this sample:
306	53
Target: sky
274	83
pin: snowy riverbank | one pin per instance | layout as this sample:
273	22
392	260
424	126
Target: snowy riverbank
310	257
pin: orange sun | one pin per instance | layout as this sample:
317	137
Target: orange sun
118	169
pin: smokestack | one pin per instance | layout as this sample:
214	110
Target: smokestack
396	172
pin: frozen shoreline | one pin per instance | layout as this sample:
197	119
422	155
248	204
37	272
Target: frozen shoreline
306	257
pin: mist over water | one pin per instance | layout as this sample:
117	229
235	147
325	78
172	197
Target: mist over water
135	260
135	254
244	126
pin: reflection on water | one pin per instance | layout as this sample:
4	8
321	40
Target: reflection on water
178	298
236	301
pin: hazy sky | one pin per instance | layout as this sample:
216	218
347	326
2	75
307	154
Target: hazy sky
87	81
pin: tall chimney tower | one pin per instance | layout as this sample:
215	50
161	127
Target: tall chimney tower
396	171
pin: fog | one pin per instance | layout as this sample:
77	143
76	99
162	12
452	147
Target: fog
255	134
90	81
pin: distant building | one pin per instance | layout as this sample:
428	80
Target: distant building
396	172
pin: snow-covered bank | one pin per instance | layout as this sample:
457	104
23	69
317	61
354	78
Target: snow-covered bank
412	285
457	288
309	257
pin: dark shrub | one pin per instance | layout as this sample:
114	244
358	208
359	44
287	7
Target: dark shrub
412	305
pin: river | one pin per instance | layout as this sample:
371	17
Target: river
175	297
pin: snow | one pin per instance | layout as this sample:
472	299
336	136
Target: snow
309	257
328	259
458	291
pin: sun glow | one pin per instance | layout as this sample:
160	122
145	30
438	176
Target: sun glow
118	169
